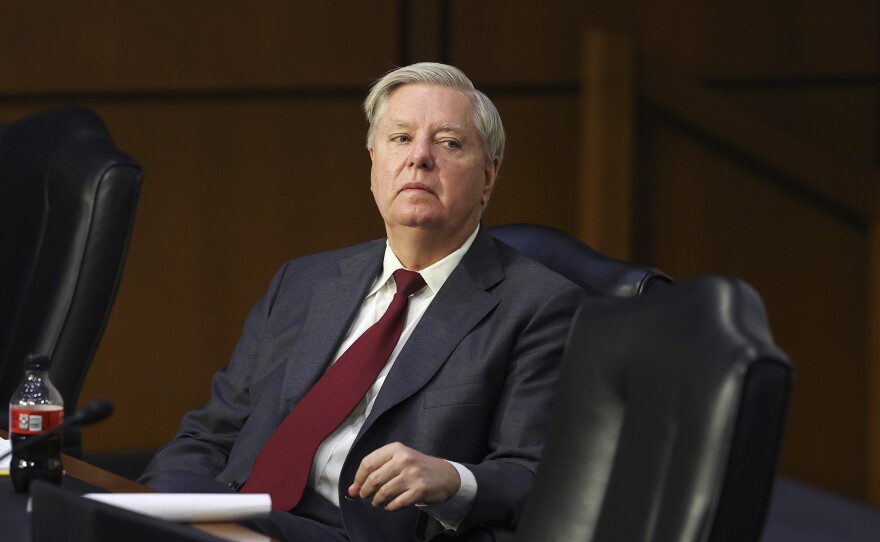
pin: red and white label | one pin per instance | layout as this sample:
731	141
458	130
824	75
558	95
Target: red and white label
34	419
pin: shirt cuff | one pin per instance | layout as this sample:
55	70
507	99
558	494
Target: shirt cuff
453	510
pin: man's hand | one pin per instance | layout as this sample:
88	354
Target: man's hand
395	476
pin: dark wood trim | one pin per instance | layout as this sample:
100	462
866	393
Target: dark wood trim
771	175
802	170
788	82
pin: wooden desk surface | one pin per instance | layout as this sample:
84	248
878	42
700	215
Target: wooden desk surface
114	483
101	478
117	484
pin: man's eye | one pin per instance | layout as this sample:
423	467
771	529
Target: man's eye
452	144
400	139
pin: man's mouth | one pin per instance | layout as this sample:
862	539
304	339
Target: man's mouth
416	186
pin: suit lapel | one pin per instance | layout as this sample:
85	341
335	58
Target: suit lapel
332	307
461	304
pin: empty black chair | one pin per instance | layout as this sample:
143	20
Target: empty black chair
578	262
67	203
668	421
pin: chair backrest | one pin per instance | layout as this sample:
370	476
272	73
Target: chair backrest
670	412
578	262
67	203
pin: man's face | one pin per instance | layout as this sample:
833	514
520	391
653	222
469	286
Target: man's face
429	169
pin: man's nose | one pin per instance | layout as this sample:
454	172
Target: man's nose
421	155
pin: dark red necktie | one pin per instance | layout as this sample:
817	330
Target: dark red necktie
283	465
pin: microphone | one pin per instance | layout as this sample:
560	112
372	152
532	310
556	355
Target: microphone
87	415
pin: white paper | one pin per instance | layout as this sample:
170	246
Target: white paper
191	507
5	446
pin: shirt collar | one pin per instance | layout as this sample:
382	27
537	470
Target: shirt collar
435	275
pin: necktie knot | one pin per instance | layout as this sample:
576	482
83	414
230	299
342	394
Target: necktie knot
408	282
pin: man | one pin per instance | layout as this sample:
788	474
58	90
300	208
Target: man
447	437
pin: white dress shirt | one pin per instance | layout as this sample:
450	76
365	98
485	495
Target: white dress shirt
331	454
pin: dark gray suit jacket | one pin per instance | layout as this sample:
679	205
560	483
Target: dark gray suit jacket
473	383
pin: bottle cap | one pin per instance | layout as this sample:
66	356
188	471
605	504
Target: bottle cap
36	362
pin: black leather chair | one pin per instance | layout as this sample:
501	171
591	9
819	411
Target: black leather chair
578	262
670	412
67	203
596	273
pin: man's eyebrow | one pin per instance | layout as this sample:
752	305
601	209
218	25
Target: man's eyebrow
450	127
398	123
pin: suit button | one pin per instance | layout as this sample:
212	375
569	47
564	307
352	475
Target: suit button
233	485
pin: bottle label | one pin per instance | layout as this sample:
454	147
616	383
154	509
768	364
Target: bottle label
30	421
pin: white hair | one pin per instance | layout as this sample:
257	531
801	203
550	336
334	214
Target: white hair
486	117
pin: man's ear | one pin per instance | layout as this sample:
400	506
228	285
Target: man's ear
371	153
491	175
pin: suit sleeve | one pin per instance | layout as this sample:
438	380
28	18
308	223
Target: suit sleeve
208	433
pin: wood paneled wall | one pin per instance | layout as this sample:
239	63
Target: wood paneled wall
787	207
245	116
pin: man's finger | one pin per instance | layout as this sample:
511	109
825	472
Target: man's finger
371	462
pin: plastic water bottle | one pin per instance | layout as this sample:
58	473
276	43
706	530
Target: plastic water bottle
35	407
